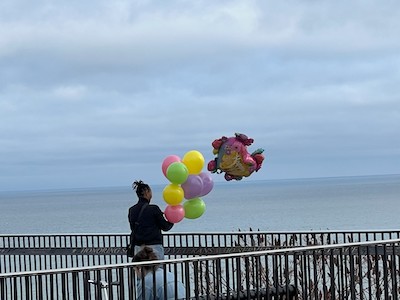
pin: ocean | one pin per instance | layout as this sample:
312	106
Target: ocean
340	203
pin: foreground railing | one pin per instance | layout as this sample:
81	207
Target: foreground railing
362	270
20	253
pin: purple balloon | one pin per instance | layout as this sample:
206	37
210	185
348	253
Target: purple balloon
192	187
208	183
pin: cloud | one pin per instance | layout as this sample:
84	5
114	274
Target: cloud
87	87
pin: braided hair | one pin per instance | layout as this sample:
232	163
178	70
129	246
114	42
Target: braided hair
140	187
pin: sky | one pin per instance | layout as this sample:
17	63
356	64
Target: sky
98	93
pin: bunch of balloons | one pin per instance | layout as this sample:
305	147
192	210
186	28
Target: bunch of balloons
187	181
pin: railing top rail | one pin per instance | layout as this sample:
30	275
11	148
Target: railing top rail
214	232
202	258
61	234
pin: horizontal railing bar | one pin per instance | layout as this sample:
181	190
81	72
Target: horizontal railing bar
65	251
371	231
377	250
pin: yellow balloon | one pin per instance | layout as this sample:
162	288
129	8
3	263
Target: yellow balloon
194	161
173	194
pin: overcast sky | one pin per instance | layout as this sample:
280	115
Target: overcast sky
98	93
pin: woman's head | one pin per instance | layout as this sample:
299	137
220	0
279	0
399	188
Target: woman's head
145	254
143	190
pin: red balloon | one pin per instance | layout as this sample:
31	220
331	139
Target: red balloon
174	213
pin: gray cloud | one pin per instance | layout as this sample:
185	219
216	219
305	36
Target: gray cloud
96	93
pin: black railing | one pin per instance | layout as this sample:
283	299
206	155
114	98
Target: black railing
361	270
51	251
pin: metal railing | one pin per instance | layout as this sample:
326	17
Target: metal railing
360	270
20	253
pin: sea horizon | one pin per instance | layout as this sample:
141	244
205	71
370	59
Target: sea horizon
325	203
219	182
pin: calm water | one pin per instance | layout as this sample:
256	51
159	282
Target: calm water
371	202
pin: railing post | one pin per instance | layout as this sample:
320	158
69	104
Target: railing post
385	271
377	283
352	274
315	272
2	288
394	267
86	289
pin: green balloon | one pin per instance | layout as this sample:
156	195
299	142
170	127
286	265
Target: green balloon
177	172
194	208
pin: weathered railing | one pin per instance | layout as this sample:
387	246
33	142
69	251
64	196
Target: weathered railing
361	270
52	251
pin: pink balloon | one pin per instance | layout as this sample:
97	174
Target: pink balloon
167	161
192	187
174	213
208	183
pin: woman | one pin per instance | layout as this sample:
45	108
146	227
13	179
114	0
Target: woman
157	282
147	221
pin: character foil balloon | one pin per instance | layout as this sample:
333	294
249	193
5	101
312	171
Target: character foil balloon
233	158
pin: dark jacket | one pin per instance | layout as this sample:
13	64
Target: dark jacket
152	221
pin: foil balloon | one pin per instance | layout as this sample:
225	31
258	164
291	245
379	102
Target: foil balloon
233	158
